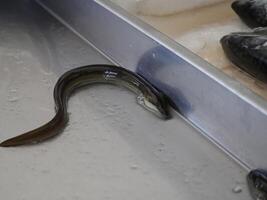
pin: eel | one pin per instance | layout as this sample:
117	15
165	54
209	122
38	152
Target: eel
148	96
252	12
248	51
257	183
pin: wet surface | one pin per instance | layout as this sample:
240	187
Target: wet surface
112	148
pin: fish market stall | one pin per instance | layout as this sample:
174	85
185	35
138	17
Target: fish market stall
112	148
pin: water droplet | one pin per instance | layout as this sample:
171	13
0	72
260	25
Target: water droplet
160	149
110	74
129	124
237	189
13	99
13	90
161	144
134	167
141	99
19	62
26	69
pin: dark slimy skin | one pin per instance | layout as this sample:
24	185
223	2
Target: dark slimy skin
252	12
148	96
248	51
257	183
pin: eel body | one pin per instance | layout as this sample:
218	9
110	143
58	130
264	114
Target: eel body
251	12
148	96
248	51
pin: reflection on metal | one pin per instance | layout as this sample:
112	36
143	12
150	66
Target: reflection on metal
229	114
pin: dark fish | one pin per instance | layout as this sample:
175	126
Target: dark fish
257	183
252	12
148	96
248	51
